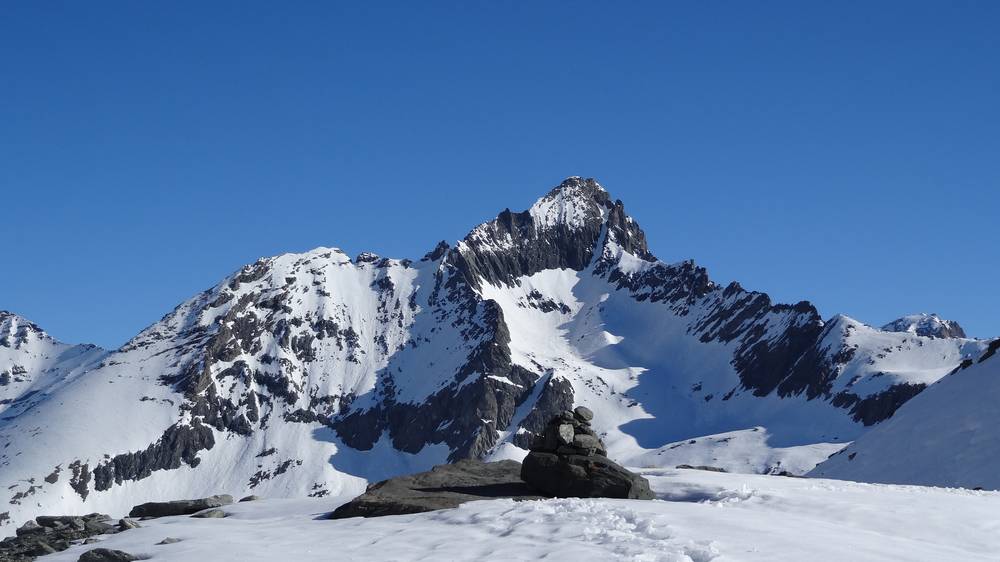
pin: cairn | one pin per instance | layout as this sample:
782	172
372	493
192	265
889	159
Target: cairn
568	459
569	433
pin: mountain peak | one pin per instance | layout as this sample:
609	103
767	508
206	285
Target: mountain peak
929	325
15	330
574	202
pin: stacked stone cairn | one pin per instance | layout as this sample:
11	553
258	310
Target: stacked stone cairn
568	459
569	433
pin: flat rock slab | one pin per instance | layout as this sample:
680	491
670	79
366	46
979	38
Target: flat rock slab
443	487
179	507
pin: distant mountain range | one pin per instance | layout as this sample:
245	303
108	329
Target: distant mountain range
308	374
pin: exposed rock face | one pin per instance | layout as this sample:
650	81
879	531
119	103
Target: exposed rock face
179	507
443	487
568	460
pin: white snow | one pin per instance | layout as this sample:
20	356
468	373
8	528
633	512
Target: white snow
700	517
33	364
949	435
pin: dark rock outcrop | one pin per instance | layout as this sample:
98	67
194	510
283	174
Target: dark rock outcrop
179	507
107	555
48	534
442	487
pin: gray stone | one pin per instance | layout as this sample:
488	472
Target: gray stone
249	499
168	540
583	414
61	521
107	555
31	528
584	441
702	467
210	514
42	548
128	523
582	476
53	533
443	487
98	526
179	507
565	433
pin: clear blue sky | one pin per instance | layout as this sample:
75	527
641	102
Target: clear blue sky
841	152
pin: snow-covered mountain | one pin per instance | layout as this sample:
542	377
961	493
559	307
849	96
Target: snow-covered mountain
308	374
31	362
947	436
930	325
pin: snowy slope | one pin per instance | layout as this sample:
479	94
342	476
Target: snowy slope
310	374
31	362
703	516
946	436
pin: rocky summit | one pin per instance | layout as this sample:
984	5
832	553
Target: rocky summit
315	373
568	460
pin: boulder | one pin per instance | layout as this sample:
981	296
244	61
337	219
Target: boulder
61	522
179	507
107	555
249	499
582	476
98	524
442	487
32	528
210	514
168	540
128	523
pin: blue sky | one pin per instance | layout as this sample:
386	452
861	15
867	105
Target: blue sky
841	152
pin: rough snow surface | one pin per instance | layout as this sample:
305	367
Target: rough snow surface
700	517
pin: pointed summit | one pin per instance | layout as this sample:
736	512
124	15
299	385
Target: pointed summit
16	331
575	202
562	230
